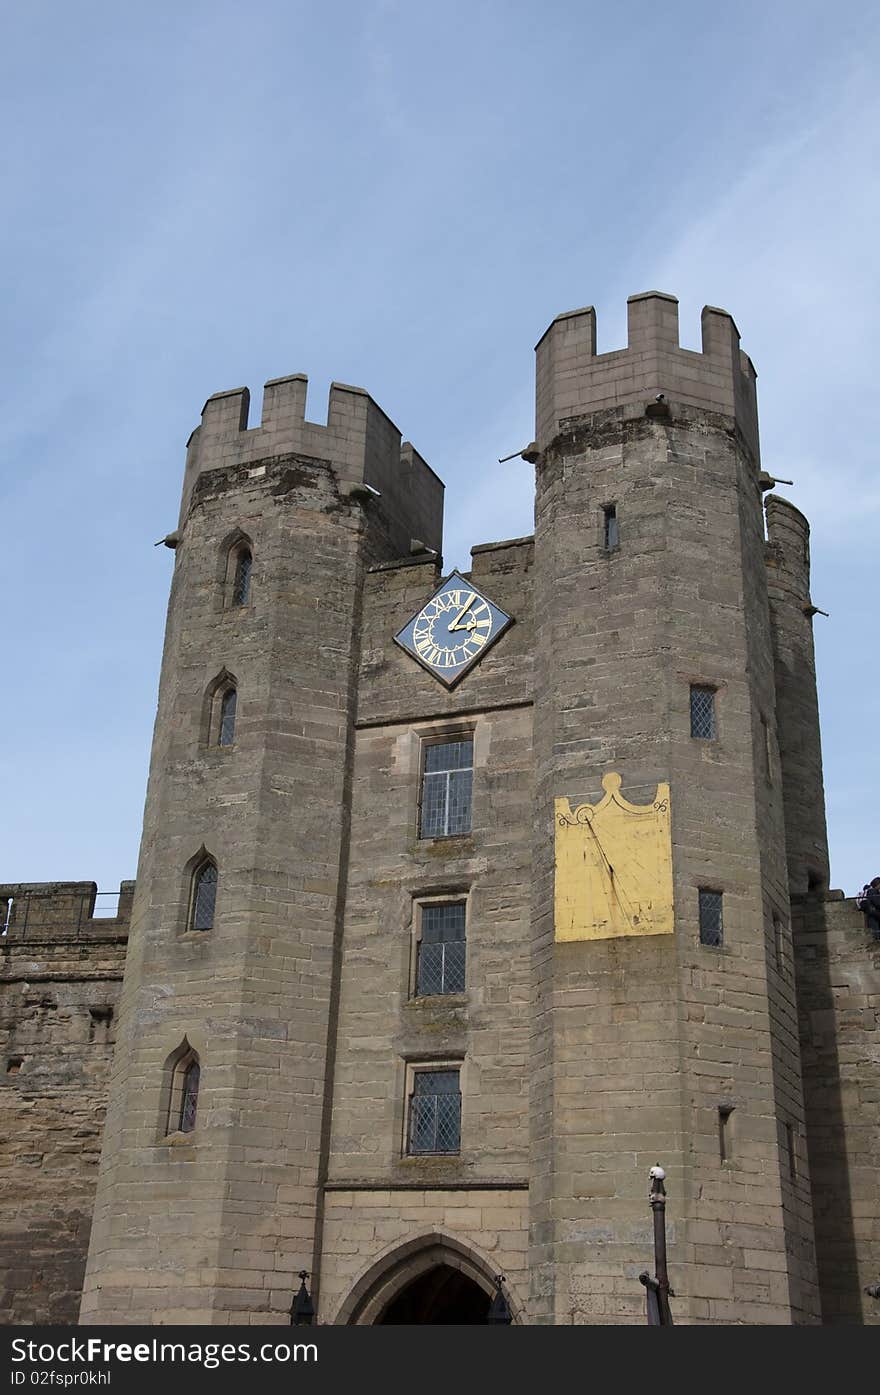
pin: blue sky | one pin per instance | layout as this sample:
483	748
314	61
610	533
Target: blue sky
402	196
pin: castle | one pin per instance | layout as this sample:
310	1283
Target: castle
462	900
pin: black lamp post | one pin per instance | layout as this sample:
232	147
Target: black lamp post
499	1308
302	1309
657	1290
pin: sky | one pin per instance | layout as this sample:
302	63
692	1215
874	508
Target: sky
205	194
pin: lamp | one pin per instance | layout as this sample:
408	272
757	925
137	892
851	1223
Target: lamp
302	1309
499	1308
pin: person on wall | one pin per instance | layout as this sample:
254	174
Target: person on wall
868	902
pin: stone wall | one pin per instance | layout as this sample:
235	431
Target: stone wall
60	977
838	983
384	1027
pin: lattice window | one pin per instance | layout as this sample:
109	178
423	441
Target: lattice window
189	1096
711	924
441	951
204	897
241	585
447	787
435	1112
703	713
226	733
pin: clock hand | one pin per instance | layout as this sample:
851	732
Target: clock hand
455	624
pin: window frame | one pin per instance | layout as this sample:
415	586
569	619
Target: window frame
422	1067
230	553
460	736
610	526
184	1070
420	904
237	559
204	863
221	697
710	891
712	690
178	1068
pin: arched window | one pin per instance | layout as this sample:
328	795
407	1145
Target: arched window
189	1095
226	729
204	896
241	584
183	1090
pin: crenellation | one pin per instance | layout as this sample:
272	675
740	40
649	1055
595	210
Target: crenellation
573	381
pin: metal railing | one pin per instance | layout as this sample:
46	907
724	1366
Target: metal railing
34	916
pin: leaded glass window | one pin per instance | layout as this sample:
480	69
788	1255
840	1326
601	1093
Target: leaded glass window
711	926
441	951
447	784
703	713
226	735
435	1112
242	583
189	1097
204	897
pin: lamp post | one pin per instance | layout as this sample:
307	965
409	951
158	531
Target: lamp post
499	1308
302	1309
657	1290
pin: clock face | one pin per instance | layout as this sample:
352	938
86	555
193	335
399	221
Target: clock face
453	630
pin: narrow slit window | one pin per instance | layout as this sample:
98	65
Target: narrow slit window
447	787
711	921
435	1112
610	527
226	734
204	897
765	743
778	941
792	1155
703	725
725	1131
441	950
241	585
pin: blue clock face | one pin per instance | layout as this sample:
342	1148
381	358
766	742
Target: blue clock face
452	632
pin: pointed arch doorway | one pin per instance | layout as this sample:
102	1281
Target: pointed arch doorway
441	1295
433	1280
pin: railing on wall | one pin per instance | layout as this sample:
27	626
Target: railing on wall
32	913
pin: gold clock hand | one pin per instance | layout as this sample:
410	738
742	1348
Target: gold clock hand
455	624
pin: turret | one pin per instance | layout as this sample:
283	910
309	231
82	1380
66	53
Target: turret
664	1025
208	1198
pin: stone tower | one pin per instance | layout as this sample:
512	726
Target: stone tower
650	581
277	525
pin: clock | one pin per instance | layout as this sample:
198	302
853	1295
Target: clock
453	630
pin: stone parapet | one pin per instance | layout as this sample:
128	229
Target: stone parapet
574	381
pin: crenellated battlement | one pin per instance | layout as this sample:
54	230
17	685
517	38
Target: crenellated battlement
574	381
361	442
40	911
